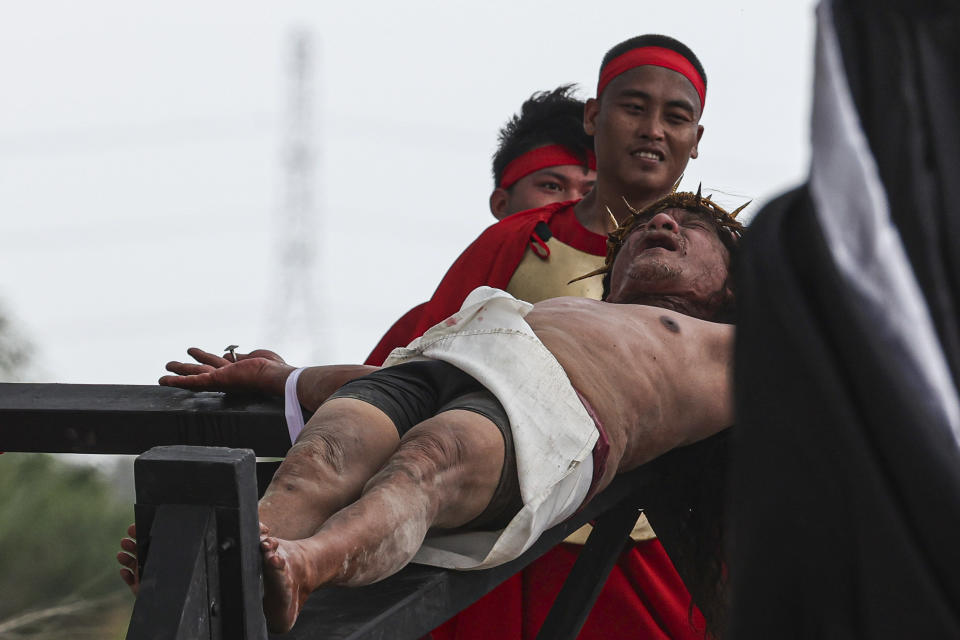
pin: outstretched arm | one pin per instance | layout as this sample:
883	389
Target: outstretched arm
316	384
260	371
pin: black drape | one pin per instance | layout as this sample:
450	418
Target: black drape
844	489
903	66
844	505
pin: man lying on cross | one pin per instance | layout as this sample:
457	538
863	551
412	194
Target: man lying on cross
500	421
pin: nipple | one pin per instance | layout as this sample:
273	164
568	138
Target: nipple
670	324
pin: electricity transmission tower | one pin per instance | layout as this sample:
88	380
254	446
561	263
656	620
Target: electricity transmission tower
294	321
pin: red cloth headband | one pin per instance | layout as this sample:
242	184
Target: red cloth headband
553	155
658	57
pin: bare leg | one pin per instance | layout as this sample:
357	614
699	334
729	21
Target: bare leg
443	475
342	446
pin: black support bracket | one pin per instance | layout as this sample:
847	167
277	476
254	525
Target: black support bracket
197	544
611	531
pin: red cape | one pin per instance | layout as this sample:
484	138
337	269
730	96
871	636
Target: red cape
644	597
490	260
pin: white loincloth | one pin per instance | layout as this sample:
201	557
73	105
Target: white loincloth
553	434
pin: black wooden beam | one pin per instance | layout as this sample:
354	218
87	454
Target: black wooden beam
175	600
129	419
611	531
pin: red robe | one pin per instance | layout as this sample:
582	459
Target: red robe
490	260
643	597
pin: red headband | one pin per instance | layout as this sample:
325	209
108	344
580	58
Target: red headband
553	155
658	57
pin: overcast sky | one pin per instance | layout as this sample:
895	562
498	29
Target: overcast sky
141	147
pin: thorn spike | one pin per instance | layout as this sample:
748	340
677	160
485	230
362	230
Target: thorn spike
616	225
733	214
629	206
595	272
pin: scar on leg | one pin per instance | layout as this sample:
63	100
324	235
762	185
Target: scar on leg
670	324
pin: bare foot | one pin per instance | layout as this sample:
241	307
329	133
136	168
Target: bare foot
285	584
128	558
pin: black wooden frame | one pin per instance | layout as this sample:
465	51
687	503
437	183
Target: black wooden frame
117	419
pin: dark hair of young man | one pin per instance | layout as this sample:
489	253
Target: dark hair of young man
654	40
547	117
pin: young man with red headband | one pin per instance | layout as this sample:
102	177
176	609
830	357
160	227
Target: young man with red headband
543	157
645	123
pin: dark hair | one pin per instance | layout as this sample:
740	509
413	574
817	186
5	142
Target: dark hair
547	117
687	509
655	40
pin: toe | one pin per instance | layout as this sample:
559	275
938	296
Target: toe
269	544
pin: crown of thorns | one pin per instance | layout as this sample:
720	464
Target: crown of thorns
726	221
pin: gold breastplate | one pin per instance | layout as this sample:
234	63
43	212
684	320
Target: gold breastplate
537	279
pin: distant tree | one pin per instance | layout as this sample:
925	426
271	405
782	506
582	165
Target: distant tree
60	525
15	351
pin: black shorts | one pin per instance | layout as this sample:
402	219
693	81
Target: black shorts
412	392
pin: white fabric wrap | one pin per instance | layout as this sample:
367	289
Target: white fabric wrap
552	432
291	405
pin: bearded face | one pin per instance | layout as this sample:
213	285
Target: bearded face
673	259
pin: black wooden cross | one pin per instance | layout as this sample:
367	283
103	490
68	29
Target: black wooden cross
198	523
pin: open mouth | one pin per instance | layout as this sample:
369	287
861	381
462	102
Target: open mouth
648	154
660	241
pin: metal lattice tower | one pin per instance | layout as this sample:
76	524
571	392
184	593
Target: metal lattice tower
294	321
